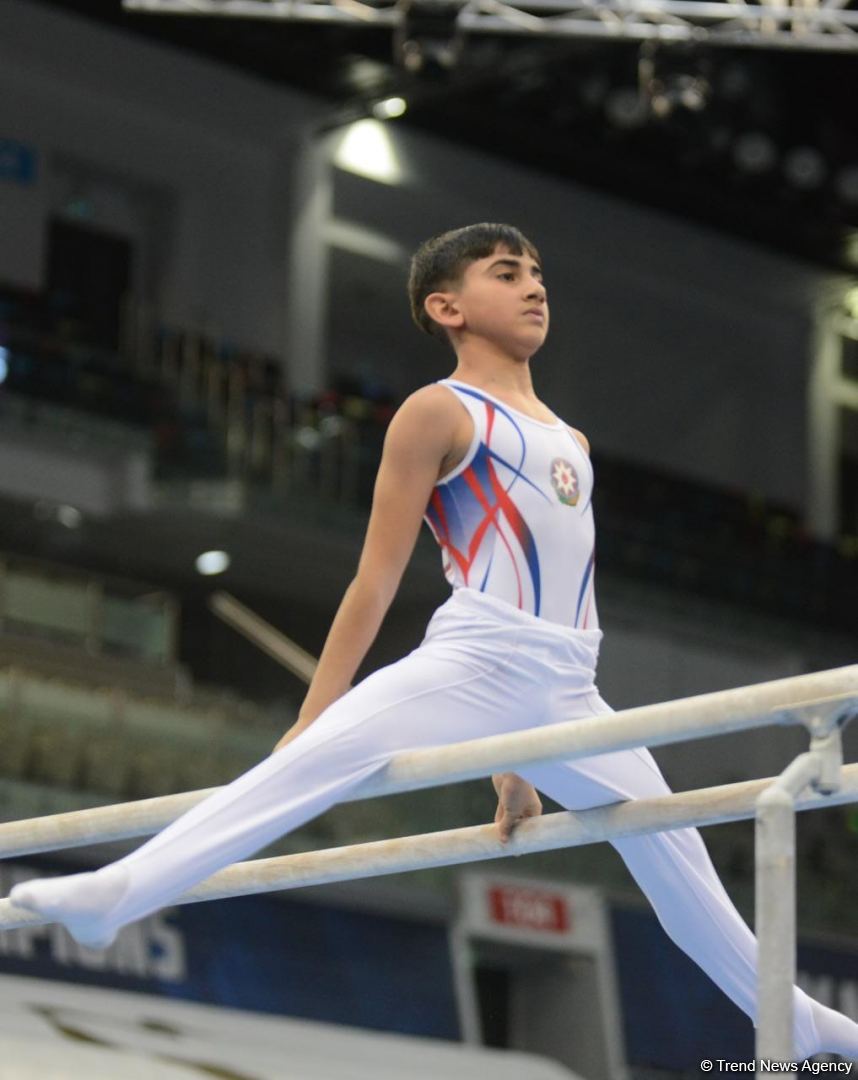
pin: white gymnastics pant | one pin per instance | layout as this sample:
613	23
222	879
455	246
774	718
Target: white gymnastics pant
483	669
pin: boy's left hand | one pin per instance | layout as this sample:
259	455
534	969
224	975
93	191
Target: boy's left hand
517	801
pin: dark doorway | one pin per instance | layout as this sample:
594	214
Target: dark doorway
500	971
848	472
543	1001
89	273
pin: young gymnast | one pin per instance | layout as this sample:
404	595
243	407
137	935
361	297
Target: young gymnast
506	488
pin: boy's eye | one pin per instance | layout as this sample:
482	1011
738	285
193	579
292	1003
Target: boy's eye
508	275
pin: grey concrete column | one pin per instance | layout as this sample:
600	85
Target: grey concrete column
823	430
308	275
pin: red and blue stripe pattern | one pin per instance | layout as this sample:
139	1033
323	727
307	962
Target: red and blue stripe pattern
476	521
588	574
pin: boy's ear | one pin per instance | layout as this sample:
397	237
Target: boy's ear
443	308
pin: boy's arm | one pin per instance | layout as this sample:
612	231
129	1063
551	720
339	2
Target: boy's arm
417	441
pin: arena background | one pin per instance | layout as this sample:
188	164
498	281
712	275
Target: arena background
204	237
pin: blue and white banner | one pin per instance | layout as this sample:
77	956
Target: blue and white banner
261	953
675	1016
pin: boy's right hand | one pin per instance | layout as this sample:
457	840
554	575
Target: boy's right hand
517	801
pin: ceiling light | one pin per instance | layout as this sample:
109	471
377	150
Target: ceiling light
69	516
390	108
367	149
212	562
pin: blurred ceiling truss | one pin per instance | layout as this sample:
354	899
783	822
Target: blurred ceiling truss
810	25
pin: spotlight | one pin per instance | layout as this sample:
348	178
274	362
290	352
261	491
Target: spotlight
69	516
212	562
671	83
390	108
682	92
368	149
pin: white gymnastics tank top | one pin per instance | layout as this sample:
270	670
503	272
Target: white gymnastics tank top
513	519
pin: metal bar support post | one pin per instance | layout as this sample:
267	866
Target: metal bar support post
775	890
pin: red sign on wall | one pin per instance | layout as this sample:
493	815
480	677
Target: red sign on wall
530	909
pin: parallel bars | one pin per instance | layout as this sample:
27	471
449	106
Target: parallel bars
822	701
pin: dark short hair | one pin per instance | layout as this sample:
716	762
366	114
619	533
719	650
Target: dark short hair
442	261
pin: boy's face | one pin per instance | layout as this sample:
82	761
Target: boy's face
503	298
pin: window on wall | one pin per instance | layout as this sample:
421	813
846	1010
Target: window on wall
833	426
89	274
849	360
848	429
849	471
113	227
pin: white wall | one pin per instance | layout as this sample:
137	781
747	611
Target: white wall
210	146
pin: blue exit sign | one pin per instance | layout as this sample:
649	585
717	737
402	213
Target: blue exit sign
17	162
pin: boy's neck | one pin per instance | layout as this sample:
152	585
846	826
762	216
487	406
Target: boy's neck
494	371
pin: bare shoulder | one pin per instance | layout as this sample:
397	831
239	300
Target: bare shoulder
582	439
424	429
433	401
431	409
